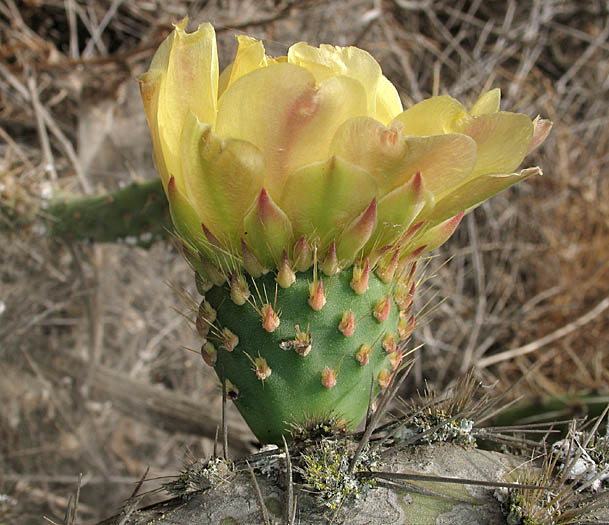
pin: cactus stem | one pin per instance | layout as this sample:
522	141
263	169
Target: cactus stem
330	264
363	354
347	324
361	276
382	308
328	378
317	298
389	343
285	276
209	353
239	290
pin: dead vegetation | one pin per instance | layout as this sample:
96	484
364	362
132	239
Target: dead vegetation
94	350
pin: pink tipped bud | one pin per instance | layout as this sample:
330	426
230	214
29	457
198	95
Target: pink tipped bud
261	368
212	271
328	378
395	359
359	282
330	264
382	308
347	324
384	378
231	390
270	319
205	318
303	255
317	298
363	354
404	295
355	235
389	343
387	271
250	263
229	340
209	353
239	290
406	325
285	276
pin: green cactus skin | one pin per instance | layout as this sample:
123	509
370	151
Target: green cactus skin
293	392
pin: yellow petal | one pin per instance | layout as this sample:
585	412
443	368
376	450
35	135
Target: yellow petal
150	87
488	102
326	61
250	55
221	178
503	140
433	116
190	84
444	161
279	110
322	198
388	103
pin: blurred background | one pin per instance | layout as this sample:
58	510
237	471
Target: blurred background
100	373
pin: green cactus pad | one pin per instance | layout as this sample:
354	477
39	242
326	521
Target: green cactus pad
293	391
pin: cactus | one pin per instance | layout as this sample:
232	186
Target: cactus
303	196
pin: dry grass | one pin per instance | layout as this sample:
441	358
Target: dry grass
524	266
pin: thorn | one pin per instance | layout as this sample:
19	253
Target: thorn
363	354
395	359
209	353
214	273
347	324
251	263
239	290
388	271
317	299
389	343
330	264
270	319
382	309
303	255
359	282
202	284
328	378
229	340
384	378
406	325
285	276
205	318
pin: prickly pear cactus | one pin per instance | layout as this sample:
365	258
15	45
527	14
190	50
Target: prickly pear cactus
303	196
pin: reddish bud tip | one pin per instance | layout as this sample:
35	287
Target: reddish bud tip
317	298
229	340
347	324
395	359
303	255
330	264
387	271
389	343
384	378
382	309
359	282
328	378
239	290
270	319
363	354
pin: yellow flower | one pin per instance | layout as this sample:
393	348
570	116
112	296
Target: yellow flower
316	145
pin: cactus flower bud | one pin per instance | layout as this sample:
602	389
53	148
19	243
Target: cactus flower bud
281	170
